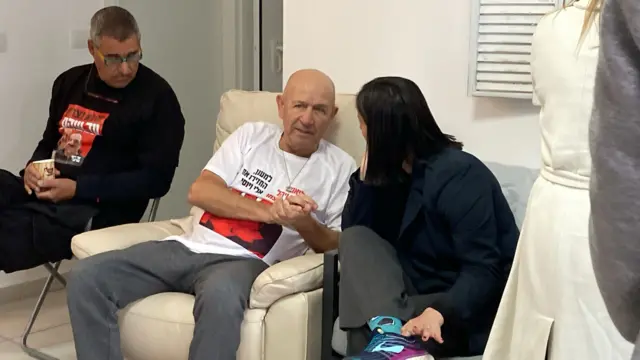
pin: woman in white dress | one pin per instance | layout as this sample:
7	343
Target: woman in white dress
551	308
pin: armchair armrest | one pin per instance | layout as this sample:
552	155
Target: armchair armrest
329	302
297	275
120	237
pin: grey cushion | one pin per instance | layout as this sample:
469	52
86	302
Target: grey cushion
339	339
516	183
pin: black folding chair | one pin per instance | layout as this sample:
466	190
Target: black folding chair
54	274
330	290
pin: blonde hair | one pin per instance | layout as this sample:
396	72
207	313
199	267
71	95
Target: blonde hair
593	8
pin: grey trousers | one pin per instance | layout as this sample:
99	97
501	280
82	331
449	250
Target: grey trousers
102	284
373	283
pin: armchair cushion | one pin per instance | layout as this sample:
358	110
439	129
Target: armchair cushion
297	275
158	327
300	274
122	237
238	107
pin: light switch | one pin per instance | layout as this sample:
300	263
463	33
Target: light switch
3	42
78	38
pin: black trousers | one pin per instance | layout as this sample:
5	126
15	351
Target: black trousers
372	283
33	232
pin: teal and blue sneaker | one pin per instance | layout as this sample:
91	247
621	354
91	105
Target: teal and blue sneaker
387	342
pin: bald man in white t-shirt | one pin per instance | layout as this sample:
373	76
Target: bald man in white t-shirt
266	195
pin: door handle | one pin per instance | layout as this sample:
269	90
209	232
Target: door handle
276	56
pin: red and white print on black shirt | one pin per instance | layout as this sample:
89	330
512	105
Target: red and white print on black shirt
254	236
78	128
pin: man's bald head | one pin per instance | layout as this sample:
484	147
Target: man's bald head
311	78
307	108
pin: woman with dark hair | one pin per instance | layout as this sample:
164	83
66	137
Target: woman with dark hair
428	237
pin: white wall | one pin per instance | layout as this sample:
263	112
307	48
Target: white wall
424	40
38	50
182	41
37	33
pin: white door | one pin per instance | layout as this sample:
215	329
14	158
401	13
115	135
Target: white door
183	42
269	45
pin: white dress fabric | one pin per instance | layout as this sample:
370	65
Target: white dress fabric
552	299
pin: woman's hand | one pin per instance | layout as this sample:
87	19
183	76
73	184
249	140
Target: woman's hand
427	326
363	165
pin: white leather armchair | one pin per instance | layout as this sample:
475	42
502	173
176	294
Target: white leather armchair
283	321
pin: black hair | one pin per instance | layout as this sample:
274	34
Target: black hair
400	127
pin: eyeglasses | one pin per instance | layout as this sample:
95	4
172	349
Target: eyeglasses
114	60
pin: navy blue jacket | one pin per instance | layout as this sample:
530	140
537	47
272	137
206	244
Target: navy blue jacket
456	236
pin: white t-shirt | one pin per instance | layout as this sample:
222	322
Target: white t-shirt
252	164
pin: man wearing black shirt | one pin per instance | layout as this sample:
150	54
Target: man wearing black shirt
115	131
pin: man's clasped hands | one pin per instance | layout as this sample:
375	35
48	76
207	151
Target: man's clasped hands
293	210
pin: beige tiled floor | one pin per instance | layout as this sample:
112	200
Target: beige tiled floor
51	333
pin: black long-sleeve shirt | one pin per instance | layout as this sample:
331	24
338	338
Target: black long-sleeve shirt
454	234
120	145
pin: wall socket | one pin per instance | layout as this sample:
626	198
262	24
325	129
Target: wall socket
78	38
3	42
